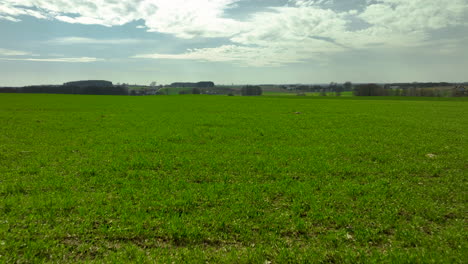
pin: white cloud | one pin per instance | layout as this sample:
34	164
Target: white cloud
305	3
306	29
294	34
9	11
258	56
291	25
414	15
80	40
188	19
233	53
8	52
278	36
82	20
185	19
70	60
9	18
17	55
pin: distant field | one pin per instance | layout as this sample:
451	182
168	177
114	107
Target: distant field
270	179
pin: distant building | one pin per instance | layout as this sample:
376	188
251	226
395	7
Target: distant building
90	83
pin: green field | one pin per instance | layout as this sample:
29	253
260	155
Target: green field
214	179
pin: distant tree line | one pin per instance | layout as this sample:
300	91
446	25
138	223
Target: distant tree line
89	83
79	87
417	85
193	85
8	90
332	87
60	89
415	89
430	89
99	87
370	89
211	91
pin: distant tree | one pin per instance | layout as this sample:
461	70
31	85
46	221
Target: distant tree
196	91
404	92
411	91
370	89
316	88
251	90
428	92
258	90
323	92
338	90
335	87
152	84
348	86
302	88
397	92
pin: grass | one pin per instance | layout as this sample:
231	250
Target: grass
232	179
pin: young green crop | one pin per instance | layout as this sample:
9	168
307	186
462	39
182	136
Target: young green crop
232	179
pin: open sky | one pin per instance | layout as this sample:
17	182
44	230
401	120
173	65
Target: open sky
233	41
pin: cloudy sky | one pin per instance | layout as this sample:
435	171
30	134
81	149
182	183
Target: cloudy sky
233	41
